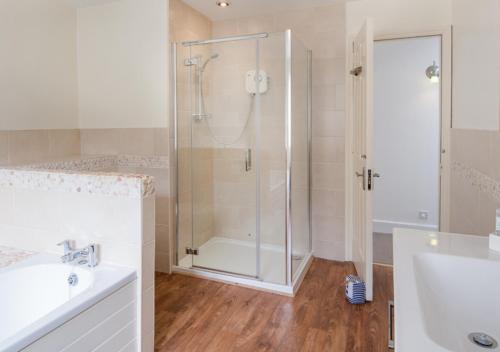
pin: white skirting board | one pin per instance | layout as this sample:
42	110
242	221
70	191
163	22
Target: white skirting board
386	226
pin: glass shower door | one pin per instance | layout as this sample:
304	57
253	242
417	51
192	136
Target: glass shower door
224	156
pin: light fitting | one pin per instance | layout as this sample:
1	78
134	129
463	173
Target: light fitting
432	72
223	3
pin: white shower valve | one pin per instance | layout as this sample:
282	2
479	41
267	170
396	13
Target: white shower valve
251	81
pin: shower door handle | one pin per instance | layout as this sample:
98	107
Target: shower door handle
248	160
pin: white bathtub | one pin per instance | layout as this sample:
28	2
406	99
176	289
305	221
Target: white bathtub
35	297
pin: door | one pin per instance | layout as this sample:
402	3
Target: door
224	159
363	173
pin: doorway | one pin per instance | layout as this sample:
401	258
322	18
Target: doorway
407	138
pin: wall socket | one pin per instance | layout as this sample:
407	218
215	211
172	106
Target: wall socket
423	215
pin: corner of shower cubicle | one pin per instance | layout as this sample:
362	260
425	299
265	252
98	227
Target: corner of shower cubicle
187	252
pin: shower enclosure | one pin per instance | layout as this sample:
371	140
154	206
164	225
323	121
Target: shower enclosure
242	142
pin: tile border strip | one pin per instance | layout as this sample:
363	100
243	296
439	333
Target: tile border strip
478	180
111	184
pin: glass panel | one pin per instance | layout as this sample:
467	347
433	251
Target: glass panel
300	155
223	154
273	161
184	192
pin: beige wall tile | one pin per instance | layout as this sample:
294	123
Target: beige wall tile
471	148
64	143
329	18
100	141
464	206
495	155
487	214
325	97
328	176
328	123
472	211
4	147
136	141
161	141
328	149
28	146
328	70
328	203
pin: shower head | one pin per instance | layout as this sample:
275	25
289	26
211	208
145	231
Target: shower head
212	57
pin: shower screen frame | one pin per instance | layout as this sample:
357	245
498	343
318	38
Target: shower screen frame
290	278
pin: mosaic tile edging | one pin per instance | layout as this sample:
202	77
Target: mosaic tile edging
10	256
102	162
114	184
478	180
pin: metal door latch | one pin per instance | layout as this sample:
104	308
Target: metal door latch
191	251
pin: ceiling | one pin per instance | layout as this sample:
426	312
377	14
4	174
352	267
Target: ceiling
249	8
85	3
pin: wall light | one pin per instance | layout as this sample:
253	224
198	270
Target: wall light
432	72
223	3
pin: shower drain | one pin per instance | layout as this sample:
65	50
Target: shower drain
483	340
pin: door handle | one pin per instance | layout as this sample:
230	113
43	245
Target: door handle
371	176
362	175
248	160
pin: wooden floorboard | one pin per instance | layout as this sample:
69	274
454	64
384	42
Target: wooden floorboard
200	315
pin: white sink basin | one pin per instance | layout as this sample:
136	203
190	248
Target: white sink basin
446	287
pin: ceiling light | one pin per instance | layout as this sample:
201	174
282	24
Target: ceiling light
432	72
223	3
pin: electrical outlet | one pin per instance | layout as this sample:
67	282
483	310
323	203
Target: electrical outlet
423	215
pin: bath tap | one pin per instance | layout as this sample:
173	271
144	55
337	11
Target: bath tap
87	255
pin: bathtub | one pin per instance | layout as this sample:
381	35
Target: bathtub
36	298
446	288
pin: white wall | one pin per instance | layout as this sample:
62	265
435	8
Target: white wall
476	64
406	133
123	64
38	87
398	16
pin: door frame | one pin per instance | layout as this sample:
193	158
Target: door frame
446	90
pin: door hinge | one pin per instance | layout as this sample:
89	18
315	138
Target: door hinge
356	71
191	251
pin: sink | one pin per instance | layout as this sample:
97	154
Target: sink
458	296
447	292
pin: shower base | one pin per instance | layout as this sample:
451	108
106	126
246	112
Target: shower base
234	261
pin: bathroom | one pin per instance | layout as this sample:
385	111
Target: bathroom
203	175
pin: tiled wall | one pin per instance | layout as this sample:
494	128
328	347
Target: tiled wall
323	31
475	181
37	219
139	142
19	147
195	164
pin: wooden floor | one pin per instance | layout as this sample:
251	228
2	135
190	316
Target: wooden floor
200	315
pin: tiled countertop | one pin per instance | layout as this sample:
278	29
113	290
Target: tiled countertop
10	256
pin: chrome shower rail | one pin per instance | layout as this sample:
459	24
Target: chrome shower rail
226	39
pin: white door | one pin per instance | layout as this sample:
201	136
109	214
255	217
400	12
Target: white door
362	173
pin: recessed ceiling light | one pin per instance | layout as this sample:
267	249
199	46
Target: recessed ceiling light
223	3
